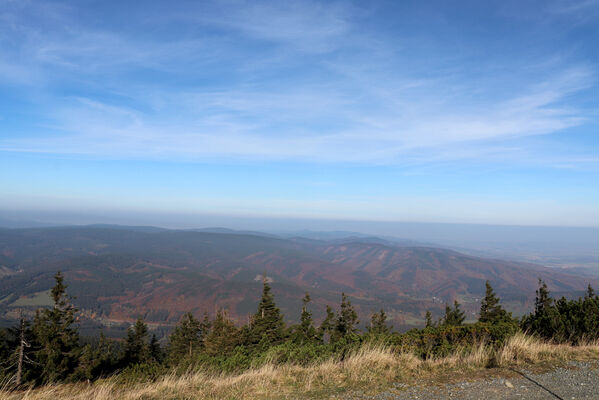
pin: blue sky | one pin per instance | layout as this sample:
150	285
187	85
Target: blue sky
469	112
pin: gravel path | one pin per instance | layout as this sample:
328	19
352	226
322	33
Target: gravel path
577	381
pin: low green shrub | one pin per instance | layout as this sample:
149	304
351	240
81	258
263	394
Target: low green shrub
442	340
144	372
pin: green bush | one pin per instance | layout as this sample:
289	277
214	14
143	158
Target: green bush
443	340
300	354
566	321
144	372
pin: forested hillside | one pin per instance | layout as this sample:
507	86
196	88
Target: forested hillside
47	348
117	274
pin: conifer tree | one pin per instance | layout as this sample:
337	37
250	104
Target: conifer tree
205	325
137	349
546	319
589	320
18	358
267	326
455	316
186	339
327	326
428	319
4	350
490	309
590	293
378	324
347	321
543	301
306	332
56	337
222	337
22	343
96	360
6	363
156	354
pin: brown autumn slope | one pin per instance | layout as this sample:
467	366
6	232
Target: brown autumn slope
120	273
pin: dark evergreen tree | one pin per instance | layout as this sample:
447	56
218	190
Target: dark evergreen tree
543	301
589	319
137	349
19	357
97	360
305	332
347	321
222	337
428	319
490	309
23	337
156	353
4	349
205	326
266	326
5	355
546	320
186	339
327	327
455	316
378	324
590	293
56	338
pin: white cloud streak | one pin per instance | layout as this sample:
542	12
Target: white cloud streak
299	101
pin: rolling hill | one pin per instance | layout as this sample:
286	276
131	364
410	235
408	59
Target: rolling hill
118	273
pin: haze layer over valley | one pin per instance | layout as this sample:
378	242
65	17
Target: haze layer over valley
119	273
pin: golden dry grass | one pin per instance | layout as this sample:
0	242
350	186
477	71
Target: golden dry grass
369	369
524	349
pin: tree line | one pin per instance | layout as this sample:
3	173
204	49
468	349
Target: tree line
49	349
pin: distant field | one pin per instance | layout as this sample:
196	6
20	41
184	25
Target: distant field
38	299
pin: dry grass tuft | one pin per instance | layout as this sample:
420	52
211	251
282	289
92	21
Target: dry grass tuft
525	349
369	369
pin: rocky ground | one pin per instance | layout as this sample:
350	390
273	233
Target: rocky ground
577	380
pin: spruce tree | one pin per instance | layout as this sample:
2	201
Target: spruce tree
97	360
267	326
156	353
306	332
137	349
543	301
56	337
6	364
222	337
589	319
590	293
428	319
186	339
19	353
347	321
455	316
546	319
4	349
490	309
378	324
205	325
327	326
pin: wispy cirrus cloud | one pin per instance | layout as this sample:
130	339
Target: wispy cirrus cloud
322	89
307	26
293	125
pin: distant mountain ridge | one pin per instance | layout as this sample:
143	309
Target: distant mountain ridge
117	273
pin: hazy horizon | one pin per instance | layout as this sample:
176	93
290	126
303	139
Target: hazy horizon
441	233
